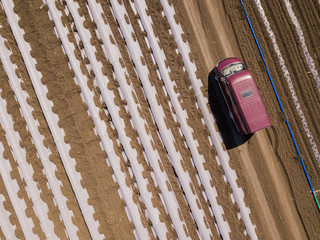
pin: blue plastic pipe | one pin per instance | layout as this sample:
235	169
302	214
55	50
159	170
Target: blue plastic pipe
279	101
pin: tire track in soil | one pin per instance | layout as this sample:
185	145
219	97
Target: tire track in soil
234	154
307	13
216	171
302	200
304	83
300	83
304	87
78	126
303	142
276	189
254	195
278	135
252	58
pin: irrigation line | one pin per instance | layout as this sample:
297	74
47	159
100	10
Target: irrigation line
276	93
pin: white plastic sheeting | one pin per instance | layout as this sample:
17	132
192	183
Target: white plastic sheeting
306	53
223	157
52	120
43	152
5	225
13	188
18	204
26	171
127	92
181	116
112	52
142	70
312	68
100	125
289	81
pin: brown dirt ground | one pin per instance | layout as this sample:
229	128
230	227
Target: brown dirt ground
268	169
267	164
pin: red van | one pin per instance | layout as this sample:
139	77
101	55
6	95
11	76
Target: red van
242	96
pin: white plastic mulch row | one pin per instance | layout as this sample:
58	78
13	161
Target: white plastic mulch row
6	227
311	65
26	171
100	125
289	81
145	139
18	204
107	96
181	117
159	118
306	53
198	159
52	119
33	127
223	157
113	54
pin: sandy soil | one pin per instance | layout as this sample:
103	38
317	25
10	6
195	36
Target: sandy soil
267	166
266	163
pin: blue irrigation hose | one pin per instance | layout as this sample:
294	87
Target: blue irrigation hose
279	101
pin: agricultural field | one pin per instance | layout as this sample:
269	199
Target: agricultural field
111	126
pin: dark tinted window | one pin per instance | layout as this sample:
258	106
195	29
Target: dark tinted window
247	93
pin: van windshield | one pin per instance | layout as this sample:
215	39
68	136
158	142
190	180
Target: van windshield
232	69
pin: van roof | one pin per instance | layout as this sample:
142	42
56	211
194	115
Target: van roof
249	101
240	77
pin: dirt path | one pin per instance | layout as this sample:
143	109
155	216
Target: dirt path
269	188
278	203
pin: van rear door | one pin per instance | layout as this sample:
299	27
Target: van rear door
250	105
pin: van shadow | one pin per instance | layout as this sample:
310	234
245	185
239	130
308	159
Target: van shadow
229	133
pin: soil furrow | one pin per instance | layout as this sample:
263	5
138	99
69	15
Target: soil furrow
163	100
303	82
22	194
120	102
13	216
49	143
267	166
307	13
205	148
104	115
74	119
145	110
280	137
32	158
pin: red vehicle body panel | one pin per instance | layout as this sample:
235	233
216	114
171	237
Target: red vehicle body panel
242	97
224	63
